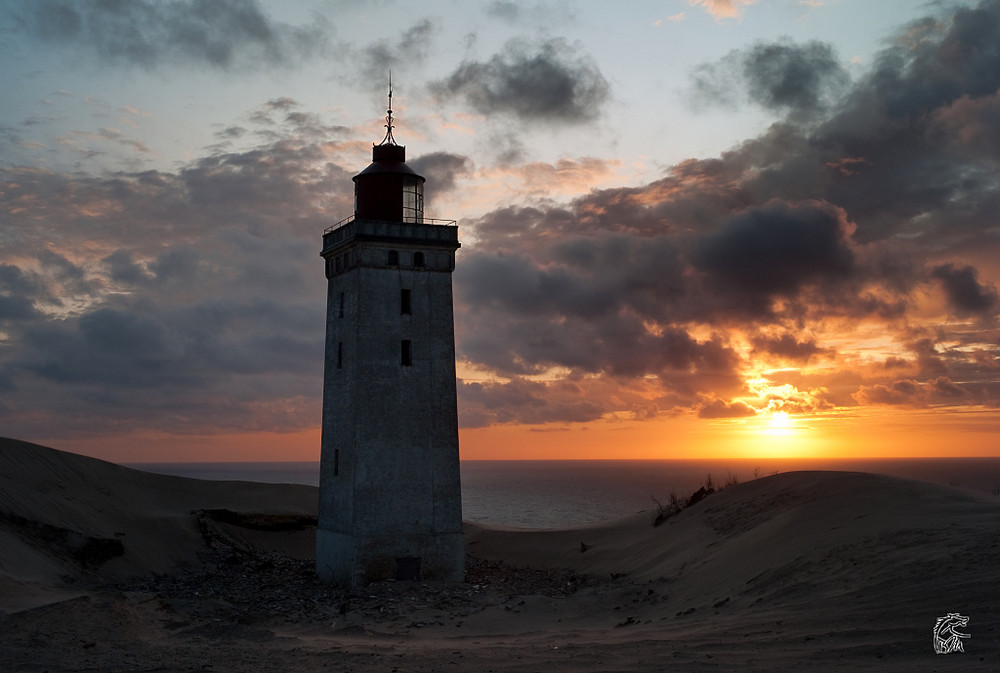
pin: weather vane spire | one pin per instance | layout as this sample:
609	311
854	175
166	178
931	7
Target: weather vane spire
389	140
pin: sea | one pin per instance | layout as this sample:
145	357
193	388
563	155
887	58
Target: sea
571	493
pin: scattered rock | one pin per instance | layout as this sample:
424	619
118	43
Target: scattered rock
238	584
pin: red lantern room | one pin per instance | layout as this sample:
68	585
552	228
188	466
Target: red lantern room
389	189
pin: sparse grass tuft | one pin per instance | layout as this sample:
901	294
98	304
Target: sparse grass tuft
676	504
664	512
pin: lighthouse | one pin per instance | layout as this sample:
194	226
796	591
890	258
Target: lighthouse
390	504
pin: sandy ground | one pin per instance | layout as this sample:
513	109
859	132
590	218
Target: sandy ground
103	568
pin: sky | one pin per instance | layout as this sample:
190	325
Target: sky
690	228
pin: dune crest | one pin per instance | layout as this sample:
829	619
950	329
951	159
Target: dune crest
806	533
66	520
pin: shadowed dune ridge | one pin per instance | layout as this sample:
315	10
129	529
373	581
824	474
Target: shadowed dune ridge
799	535
67	519
846	563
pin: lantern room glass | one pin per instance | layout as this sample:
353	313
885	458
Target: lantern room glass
413	199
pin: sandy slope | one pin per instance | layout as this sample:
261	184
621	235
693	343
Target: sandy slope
66	519
122	570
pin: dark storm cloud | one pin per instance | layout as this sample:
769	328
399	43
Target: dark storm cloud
17	294
172	348
190	301
971	124
16	308
802	79
786	346
777	248
227	34
19	284
107	347
583	277
638	300
793	77
909	125
838	221
587	303
938	60
441	169
123	268
549	81
908	142
965	294
522	401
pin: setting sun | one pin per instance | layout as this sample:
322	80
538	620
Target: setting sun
780	420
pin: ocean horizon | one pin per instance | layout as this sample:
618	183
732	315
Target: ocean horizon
569	493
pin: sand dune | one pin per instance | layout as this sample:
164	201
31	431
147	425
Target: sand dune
67	520
760	539
825	570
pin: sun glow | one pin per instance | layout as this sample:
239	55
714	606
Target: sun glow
780	420
777	433
780	431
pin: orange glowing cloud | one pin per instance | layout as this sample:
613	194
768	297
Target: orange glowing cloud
723	9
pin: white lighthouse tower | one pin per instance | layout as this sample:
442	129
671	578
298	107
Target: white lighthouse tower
390	493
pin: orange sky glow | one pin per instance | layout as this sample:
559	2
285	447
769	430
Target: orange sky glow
719	234
888	434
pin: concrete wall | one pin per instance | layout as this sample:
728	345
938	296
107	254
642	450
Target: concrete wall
390	488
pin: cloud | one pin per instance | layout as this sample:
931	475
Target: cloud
547	81
595	304
524	401
565	176
908	392
723	9
806	235
776	248
538	13
441	169
188	301
193	299
971	123
800	79
504	9
377	59
723	409
901	120
224	34
966	296
786	346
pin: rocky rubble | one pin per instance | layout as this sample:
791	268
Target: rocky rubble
240	584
